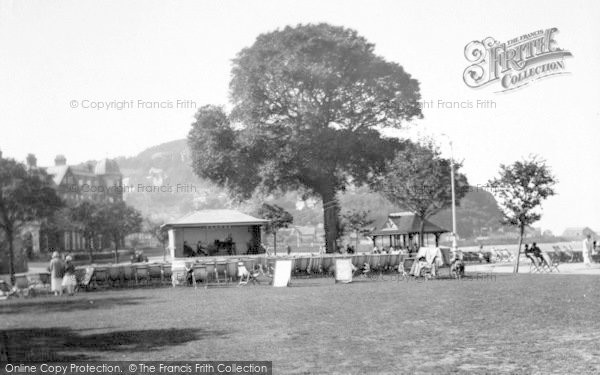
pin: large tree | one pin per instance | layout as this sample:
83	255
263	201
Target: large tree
25	196
520	188
278	218
308	106
419	180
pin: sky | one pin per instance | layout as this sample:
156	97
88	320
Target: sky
62	60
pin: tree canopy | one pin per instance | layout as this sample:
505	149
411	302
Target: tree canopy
521	188
25	196
308	106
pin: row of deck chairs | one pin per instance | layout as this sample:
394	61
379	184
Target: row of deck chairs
317	266
127	275
224	272
567	254
27	285
549	263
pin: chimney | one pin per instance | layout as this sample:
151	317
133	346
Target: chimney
60	160
31	161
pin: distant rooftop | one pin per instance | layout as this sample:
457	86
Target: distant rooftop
216	217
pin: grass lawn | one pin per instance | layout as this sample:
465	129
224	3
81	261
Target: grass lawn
523	323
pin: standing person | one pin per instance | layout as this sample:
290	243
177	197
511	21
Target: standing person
289	249
56	269
586	249
70	279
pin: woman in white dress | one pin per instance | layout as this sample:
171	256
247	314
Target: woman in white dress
56	269
69	280
587	250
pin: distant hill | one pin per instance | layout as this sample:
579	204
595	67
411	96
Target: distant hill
168	165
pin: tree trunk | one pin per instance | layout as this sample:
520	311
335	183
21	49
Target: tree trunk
11	256
421	229
521	231
275	242
116	250
91	248
356	248
330	219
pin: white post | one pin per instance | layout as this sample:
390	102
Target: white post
454	246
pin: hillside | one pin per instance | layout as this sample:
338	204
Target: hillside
163	185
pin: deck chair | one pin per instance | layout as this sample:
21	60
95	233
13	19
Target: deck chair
232	270
22	285
569	254
155	273
199	274
115	274
167	271
315	265
221	270
506	255
384	262
552	261
393	262
302	266
407	264
142	274
211	271
246	275
327	265
128	275
101	276
374	262
534	266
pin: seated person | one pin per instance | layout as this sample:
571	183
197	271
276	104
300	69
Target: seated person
187	250
537	252
200	249
418	266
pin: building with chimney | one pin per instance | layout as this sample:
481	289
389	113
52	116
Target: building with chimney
92	181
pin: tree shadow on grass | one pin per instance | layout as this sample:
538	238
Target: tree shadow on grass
65	304
65	344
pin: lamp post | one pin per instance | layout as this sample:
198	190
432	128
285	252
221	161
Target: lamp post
454	246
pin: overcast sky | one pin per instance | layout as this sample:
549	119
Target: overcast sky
54	54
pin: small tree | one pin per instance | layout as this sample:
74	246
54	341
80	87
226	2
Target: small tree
119	220
520	188
25	196
86	217
278	218
155	229
419	180
356	220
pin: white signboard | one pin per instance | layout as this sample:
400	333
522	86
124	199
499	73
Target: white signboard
283	272
343	270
